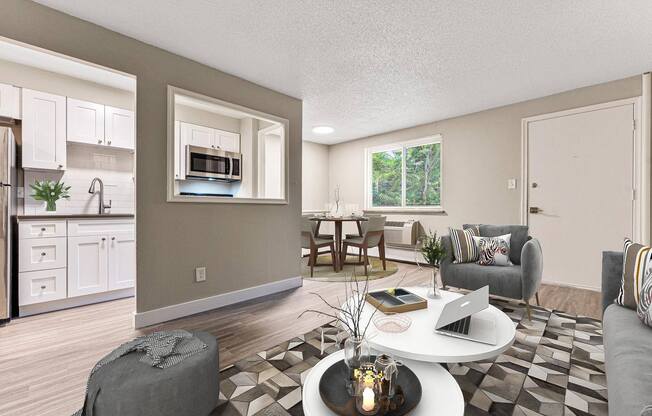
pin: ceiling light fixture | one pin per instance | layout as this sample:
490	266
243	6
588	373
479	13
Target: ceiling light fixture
323	129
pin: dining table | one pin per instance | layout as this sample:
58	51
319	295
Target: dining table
338	221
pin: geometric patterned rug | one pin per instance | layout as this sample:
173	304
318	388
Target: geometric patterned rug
555	368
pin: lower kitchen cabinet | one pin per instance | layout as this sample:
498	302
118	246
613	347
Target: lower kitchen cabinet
122	260
87	265
85	261
41	286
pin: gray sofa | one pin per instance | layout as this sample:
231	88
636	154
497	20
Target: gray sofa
627	345
519	281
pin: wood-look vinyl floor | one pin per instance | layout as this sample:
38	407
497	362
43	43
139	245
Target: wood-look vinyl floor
45	359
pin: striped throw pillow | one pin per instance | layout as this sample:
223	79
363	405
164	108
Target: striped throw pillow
464	248
636	265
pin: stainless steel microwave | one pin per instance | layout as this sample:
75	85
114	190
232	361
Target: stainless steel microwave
213	164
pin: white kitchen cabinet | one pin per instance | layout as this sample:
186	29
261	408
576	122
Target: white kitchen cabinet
85	122
192	134
41	286
119	128
122	260
9	101
44	130
41	254
40	229
87	265
229	142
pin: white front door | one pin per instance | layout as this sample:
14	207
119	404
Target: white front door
580	189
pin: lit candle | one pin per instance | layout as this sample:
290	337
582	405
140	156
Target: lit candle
368	400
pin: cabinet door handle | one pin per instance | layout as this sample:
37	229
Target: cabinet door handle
103	238
43	254
109	142
99	141
112	238
43	229
42	287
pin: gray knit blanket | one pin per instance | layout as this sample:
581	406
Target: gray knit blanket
160	349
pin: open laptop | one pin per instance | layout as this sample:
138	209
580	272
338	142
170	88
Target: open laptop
457	319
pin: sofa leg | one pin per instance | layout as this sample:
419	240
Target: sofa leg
529	311
536	296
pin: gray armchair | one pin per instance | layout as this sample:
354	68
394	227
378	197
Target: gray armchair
519	281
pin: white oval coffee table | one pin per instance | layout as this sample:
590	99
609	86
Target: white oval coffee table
420	342
441	394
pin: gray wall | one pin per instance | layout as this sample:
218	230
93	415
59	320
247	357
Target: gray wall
241	245
481	151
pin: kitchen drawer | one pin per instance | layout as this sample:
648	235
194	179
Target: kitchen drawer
79	228
40	229
41	254
41	286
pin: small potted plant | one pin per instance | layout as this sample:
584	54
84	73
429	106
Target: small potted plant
50	192
433	252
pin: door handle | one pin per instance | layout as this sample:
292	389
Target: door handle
535	210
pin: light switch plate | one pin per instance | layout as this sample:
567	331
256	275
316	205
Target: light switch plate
511	183
200	274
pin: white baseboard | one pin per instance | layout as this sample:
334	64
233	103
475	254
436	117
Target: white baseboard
564	284
55	305
168	313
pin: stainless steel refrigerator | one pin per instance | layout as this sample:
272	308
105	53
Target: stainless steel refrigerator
7	178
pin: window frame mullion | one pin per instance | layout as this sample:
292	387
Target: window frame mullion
403	176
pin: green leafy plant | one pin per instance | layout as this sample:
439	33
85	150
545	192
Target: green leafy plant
50	192
432	249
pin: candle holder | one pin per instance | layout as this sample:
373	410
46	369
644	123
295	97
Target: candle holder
368	390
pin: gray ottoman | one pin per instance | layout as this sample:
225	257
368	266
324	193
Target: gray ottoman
131	388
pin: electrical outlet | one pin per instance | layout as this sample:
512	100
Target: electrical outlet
511	183
200	274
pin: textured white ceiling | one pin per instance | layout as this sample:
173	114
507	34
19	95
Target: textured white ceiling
366	67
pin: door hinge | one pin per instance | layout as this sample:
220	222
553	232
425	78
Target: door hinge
634	124
633	194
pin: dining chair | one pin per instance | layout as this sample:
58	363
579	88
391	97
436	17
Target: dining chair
362	226
316	225
313	243
373	236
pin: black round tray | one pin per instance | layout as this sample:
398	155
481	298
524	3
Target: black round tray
332	389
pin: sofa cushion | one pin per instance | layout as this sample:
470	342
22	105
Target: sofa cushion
519	237
628	352
502	281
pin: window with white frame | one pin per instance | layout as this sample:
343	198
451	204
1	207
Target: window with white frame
405	175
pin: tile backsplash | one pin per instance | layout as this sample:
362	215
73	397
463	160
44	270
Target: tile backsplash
114	167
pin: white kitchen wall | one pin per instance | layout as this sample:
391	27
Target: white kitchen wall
114	167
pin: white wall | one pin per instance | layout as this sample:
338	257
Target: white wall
315	176
114	167
480	152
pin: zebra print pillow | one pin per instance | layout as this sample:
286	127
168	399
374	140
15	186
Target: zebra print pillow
493	251
644	308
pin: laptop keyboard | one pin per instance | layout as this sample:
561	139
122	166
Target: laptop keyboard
459	327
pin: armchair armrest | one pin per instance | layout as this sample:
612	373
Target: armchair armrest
531	267
447	261
612	272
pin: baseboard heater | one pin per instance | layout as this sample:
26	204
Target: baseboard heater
401	233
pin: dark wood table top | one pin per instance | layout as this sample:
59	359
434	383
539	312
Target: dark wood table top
340	219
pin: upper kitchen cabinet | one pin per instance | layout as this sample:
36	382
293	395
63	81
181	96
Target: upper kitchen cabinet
85	122
100	125
9	101
44	130
119	127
